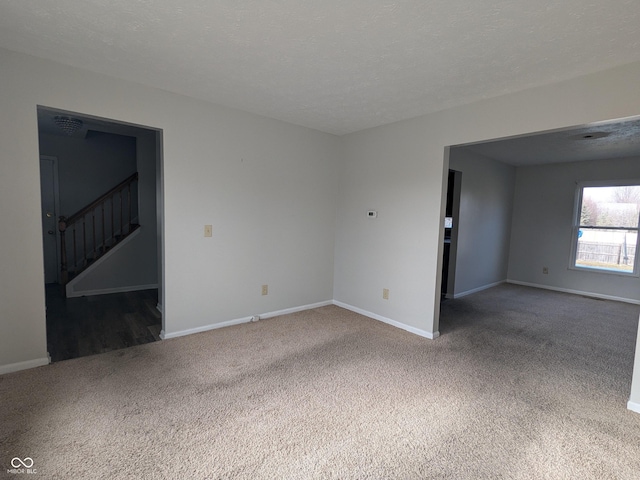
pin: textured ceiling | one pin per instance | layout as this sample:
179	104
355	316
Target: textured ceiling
333	65
594	142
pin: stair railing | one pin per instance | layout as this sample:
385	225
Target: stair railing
97	227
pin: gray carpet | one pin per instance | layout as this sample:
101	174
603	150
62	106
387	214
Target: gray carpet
522	384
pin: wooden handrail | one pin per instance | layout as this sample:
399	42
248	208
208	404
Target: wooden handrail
81	213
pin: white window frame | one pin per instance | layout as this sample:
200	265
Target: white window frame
576	227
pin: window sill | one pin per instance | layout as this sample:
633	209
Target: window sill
604	271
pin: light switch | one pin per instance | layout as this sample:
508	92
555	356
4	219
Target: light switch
208	230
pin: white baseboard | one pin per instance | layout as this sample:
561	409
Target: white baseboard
16	367
302	308
204	328
375	316
479	289
576	292
238	321
633	406
106	291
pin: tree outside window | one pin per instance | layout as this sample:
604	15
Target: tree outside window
606	230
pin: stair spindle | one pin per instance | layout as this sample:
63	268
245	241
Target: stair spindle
104	242
129	202
84	242
64	275
75	250
93	231
121	223
113	232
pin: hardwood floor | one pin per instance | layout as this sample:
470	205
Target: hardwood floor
77	327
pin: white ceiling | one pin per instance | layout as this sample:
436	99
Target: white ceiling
334	65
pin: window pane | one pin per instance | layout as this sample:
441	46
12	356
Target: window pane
610	206
606	249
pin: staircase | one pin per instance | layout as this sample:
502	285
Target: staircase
91	232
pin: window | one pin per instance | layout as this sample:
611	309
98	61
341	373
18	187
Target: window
606	228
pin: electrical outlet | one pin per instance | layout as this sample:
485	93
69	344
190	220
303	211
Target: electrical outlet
385	293
208	230
265	289
545	270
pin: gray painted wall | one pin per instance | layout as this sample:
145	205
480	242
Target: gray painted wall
542	219
400	170
267	187
484	227
135	265
272	192
88	167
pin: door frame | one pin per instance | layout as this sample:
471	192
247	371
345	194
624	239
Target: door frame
56	207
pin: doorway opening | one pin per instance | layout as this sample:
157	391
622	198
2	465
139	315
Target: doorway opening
451	221
101	191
